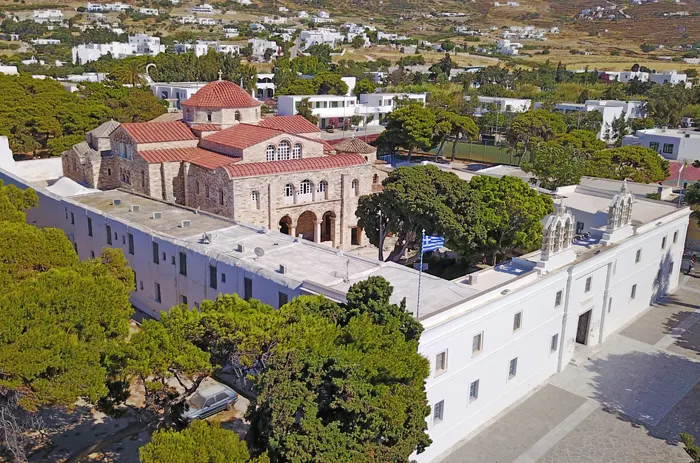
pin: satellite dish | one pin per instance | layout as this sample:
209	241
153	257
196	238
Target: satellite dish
259	252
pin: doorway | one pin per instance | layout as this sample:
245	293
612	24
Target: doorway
584	321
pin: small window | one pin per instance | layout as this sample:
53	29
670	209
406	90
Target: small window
638	256
554	345
183	264
66	209
223	278
115	236
477	344
670	269
221	197
282	299
663	243
196	186
131	244
247	288
208	117
270	153
375	179
155	253
557	299
237	116
517	321
441	363
157	285
305	187
206	191
141	285
633	294
668	148
212	277
196	305
675	237
89	224
296	151
183	300
288	190
438	411
473	391
588	284
72	219
165	256
355	236
123	239
75	247
92	254
513	368
109	234
255	198
109	172
356	187
654	145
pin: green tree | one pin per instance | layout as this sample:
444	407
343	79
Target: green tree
555	166
533	127
511	212
305	111
634	163
456	126
409	127
200	442
583	141
690	447
358	42
364	86
329	83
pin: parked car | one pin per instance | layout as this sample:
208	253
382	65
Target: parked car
207	402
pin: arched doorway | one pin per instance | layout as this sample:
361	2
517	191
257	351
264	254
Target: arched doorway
260	94
286	225
306	225
328	227
270	92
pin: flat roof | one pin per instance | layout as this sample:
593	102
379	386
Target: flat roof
669	132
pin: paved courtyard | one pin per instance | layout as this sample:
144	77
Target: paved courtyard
627	401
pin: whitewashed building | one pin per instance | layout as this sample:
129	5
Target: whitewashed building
375	107
673	144
670	77
609	109
261	45
203	8
146	45
491	337
501	104
47	16
149	11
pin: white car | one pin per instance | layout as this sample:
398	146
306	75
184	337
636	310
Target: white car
208	401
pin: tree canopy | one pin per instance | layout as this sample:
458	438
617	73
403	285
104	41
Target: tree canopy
555	166
634	163
409	127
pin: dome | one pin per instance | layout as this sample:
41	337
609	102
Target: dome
221	94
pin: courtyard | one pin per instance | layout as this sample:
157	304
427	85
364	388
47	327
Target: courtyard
626	400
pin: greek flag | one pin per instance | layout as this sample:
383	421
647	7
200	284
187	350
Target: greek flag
431	243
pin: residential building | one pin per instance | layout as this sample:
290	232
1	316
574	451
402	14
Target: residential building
506	47
203	8
230	32
265	87
85	53
206	22
670	77
175	93
149	11
275	20
202	47
45	41
261	45
610	110
490	337
674	144
223	158
187	20
47	16
375	107
331	110
501	104
302	15
146	45
321	36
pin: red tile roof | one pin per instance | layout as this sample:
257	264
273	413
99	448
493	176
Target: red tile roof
289	124
690	174
327	147
206	127
156	132
253	169
197	156
242	136
221	94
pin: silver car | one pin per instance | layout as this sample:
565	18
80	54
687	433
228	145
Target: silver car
208	401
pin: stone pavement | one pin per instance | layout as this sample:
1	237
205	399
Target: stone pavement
627	402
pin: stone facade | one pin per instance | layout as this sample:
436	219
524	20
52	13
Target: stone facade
223	117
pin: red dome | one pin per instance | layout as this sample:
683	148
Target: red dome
221	94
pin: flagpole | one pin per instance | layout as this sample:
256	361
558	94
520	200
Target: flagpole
420	272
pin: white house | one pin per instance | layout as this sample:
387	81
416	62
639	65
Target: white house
610	110
265	86
187	20
47	16
506	47
94	7
200	48
377	106
230	32
117	6
673	144
149	11
146	44
490	337
302	15
331	110
261	45
269	20
203	8
85	53
175	92
206	22
670	77
501	104
45	41
321	36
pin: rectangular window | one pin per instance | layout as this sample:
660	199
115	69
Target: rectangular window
282	299
183	264
72	219
557	299
438	412
165	257
206	191
634	291
141	285
588	284
513	368
517	321
131	244
663	243
196	305
668	148
477	344
109	234
638	256
223	278
670	269
183	300
675	237
221	197
473	391
155	254
123	239
75	247
355	236
554	345
441	363
212	277
92	254
654	145
157	292
89	220
247	288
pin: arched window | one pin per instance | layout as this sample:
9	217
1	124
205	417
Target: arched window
237	116
255	198
283	150
208	117
356	187
288	190
270	153
296	152
375	179
305	187
323	189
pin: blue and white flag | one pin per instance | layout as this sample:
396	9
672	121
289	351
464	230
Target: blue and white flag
431	243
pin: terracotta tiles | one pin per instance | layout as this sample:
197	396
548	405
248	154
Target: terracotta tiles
253	169
289	124
157	132
221	94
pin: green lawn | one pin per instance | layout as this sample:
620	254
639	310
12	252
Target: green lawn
477	152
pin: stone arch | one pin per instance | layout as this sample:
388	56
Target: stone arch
289	190
328	227
306	187
297	150
285	225
260	94
355	186
322	189
270	93
306	225
237	116
284	150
